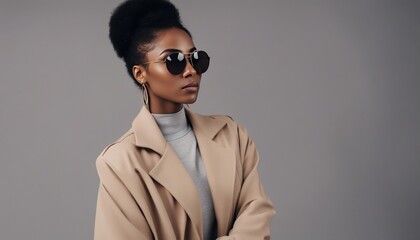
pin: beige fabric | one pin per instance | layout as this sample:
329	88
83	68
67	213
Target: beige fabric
146	193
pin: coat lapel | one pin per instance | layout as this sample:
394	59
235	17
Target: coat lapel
170	172
220	163
172	175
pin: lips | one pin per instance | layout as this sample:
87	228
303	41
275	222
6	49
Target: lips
191	84
191	87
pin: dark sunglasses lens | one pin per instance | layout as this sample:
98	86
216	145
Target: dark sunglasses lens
201	61
176	63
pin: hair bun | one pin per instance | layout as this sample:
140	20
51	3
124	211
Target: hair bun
133	16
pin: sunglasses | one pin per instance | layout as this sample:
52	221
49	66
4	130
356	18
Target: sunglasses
176	62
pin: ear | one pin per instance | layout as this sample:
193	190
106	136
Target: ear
139	73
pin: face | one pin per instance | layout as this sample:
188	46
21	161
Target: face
168	92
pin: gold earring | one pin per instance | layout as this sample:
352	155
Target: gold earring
145	96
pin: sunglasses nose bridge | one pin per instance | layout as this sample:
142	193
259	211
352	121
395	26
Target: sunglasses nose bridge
189	67
188	57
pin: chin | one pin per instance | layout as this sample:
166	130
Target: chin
190	100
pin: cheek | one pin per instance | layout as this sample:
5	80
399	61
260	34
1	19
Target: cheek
161	81
160	71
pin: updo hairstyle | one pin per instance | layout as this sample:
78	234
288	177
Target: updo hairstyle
133	27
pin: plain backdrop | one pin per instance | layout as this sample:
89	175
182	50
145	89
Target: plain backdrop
328	90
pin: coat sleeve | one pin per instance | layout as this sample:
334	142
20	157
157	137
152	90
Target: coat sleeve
254	210
117	214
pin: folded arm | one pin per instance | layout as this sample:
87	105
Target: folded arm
254	208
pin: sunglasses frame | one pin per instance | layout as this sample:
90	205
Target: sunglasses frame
187	56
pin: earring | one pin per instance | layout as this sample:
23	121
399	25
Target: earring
145	95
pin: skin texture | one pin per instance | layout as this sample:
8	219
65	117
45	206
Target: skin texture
166	93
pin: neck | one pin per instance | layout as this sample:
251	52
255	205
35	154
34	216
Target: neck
172	124
163	107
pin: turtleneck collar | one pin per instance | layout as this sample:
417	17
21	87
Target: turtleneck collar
173	125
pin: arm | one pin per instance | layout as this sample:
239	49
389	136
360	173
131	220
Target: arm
117	214
254	208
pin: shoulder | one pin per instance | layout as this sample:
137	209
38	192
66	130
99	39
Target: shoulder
224	118
219	121
232	127
235	136
119	149
232	123
214	119
123	142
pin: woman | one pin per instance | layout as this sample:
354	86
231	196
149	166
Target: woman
175	174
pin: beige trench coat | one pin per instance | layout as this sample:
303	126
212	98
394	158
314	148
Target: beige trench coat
146	193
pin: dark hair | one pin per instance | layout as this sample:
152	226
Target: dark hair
133	26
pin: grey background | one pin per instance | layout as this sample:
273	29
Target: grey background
329	91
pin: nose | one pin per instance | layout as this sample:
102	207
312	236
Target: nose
189	69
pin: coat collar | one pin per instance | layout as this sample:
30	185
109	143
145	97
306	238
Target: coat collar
220	163
147	132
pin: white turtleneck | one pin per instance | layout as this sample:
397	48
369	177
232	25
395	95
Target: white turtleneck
178	132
